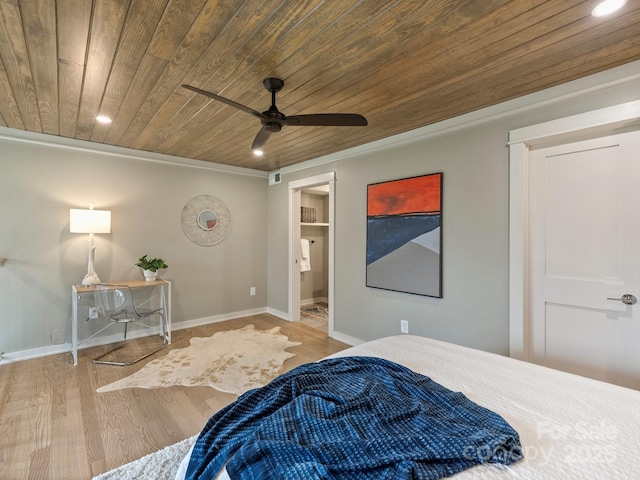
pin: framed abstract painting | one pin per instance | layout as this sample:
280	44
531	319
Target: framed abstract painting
404	235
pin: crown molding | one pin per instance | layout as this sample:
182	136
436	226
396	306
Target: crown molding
599	81
12	134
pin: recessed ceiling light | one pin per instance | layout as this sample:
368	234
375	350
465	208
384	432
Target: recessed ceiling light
607	6
258	153
103	119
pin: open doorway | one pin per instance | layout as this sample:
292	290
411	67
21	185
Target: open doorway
311	228
314	257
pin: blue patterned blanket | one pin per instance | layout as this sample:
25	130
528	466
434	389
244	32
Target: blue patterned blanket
351	418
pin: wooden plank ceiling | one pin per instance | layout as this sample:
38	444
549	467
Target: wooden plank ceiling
402	64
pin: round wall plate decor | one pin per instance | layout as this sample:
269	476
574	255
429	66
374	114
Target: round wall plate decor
205	220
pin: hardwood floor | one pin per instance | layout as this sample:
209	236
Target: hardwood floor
53	424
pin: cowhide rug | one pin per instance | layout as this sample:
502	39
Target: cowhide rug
233	361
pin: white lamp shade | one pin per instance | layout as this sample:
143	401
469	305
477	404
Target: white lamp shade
89	221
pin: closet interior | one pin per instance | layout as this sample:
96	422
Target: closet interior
314	274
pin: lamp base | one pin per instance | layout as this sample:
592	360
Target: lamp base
90	279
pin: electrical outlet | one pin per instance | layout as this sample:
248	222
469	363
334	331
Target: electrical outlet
404	326
252	291
93	312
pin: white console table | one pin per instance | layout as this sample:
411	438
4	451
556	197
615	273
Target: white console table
77	291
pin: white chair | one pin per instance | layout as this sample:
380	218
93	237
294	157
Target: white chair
116	303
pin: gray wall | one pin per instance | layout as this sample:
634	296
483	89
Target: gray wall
39	183
474	160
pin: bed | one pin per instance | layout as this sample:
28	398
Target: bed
568	426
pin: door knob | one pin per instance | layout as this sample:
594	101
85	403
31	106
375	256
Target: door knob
627	299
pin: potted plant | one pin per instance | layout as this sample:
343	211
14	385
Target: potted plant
151	267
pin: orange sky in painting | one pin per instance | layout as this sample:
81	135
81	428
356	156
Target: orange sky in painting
411	195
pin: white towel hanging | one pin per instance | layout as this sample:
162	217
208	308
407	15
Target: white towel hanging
305	258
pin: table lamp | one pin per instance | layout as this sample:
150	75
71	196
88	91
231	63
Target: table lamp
90	221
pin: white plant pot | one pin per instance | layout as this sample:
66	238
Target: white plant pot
150	276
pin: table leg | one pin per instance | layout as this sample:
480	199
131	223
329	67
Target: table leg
74	326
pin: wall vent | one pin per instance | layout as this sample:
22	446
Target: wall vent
274	178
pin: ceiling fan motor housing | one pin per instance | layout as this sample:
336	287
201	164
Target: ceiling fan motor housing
273	126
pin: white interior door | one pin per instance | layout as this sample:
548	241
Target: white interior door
584	235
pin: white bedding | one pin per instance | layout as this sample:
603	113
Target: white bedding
570	427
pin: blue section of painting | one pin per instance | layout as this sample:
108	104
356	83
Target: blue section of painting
386	234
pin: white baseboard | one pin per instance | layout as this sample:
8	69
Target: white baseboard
105	340
341	337
197	322
35	353
279	314
133	333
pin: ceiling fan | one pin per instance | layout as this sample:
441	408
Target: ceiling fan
273	120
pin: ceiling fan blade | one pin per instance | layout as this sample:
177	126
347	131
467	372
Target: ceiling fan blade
273	120
224	100
327	120
261	138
